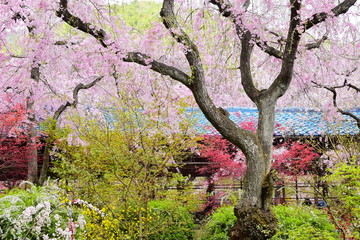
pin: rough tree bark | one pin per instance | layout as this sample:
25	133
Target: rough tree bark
32	174
32	154
255	219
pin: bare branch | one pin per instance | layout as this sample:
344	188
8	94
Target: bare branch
268	49
159	67
333	91
353	87
16	56
64	43
76	90
35	73
315	44
224	8
245	67
282	42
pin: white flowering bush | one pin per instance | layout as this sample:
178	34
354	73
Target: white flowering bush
39	213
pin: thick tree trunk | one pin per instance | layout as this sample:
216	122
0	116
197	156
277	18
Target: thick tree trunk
255	218
32	156
255	221
32	174
45	165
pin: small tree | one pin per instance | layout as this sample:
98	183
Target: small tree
120	161
341	162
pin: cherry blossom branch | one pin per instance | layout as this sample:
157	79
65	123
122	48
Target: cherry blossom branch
35	75
195	82
317	18
162	68
57	114
282	82
218	117
191	52
135	57
77	23
332	89
225	10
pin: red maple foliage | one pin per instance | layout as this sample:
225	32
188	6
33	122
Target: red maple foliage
294	158
15	149
224	160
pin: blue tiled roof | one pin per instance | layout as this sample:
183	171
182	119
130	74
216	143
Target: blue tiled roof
291	121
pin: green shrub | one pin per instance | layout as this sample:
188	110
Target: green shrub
140	15
38	213
160	220
345	204
116	222
218	225
172	221
295	222
300	222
